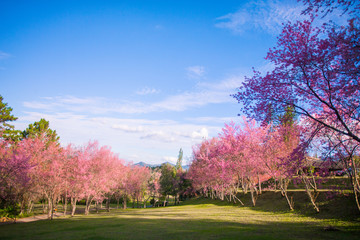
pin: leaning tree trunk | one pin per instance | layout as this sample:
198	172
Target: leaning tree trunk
73	201
30	206
254	195
355	182
283	184
311	194
88	204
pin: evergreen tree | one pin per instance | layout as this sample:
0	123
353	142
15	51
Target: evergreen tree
179	161
40	128
7	130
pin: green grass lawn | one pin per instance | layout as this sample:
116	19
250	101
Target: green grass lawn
204	219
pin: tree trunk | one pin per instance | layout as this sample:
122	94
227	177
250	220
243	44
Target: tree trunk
108	203
50	208
88	204
30	206
97	206
65	204
22	207
259	183
165	201
283	188
235	197
43	206
222	193
253	197
312	196
73	205
124	202
355	182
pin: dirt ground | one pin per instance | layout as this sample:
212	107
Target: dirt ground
30	219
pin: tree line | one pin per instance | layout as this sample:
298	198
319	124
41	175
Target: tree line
308	102
34	168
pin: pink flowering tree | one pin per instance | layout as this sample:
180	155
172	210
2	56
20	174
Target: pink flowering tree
47	171
138	180
14	175
154	187
316	73
99	168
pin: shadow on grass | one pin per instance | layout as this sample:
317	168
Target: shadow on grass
340	207
152	225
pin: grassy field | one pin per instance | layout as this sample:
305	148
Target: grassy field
205	219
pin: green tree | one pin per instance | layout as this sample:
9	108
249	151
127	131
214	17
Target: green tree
40	128
179	161
7	130
167	180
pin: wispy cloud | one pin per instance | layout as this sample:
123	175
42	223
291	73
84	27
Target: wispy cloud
147	91
127	128
206	93
262	15
211	120
4	55
195	72
157	138
226	85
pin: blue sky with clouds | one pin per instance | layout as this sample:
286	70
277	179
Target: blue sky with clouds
144	77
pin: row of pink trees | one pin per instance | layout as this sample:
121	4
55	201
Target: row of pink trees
244	157
316	71
37	168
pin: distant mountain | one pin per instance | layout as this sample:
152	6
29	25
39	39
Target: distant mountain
143	164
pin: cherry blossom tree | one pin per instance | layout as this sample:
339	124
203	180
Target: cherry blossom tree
47	174
99	162
14	174
316	72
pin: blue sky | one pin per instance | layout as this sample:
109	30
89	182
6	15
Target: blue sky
144	77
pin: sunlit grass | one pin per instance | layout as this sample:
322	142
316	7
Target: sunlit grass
199	219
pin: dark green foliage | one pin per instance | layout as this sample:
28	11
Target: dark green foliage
40	128
167	179
179	161
7	130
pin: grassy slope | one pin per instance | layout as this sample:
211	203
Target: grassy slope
204	219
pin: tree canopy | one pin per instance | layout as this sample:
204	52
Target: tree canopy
316	72
6	129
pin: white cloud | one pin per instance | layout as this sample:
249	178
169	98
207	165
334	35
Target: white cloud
212	120
127	128
195	72
78	119
270	15
263	15
133	139
172	160
202	134
147	91
160	136
229	84
207	93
